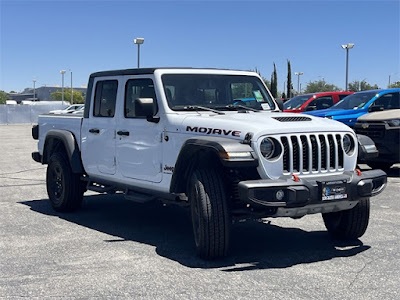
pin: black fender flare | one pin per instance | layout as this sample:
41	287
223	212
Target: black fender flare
53	138
215	149
366	148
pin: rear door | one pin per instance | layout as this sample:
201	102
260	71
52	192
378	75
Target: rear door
98	131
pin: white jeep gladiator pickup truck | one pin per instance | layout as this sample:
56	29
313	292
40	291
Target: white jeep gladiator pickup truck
214	140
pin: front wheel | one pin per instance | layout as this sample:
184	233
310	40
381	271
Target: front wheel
348	224
210	215
63	186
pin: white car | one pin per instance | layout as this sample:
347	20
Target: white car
79	111
70	109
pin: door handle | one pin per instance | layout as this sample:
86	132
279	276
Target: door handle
125	133
94	130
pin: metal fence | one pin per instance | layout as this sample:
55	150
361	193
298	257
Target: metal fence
25	114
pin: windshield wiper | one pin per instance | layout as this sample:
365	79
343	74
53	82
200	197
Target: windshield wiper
236	106
198	107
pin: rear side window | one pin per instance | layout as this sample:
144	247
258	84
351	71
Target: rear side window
105	98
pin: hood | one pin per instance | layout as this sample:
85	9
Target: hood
322	112
335	112
381	115
237	125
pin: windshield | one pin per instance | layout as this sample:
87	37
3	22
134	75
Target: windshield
296	102
354	101
218	92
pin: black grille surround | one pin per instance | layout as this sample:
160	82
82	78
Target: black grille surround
312	153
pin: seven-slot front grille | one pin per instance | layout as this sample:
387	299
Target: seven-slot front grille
312	153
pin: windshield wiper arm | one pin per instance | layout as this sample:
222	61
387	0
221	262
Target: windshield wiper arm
235	106
197	107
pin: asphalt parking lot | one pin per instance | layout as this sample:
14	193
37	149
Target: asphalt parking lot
114	248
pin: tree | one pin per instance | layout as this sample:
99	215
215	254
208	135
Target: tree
77	96
356	86
395	85
320	86
289	83
274	83
266	81
3	97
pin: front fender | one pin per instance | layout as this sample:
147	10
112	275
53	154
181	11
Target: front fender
205	150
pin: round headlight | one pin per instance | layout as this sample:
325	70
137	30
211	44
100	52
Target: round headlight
348	144
267	148
270	148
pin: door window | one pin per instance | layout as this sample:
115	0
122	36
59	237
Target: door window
388	101
138	88
321	102
105	98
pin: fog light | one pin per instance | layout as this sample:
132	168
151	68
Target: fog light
279	195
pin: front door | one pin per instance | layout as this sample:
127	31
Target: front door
138	141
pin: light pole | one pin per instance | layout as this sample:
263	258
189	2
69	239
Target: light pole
72	99
347	47
138	41
390	76
34	89
298	80
62	87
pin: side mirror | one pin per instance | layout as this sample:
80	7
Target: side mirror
280	103
144	107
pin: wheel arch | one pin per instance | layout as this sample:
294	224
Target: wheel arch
212	151
63	140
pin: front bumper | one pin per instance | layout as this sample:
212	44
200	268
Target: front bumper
292	198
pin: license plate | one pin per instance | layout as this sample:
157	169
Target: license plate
334	190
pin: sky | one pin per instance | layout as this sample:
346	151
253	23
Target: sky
40	38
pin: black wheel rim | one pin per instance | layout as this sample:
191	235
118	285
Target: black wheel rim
57	182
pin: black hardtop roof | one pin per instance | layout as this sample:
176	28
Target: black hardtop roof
142	71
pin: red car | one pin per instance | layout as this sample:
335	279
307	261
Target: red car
314	101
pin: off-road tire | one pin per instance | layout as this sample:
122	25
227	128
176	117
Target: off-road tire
210	214
348	224
64	187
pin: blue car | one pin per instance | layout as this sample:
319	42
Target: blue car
353	106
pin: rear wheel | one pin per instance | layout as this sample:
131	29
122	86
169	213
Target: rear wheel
63	186
348	224
210	215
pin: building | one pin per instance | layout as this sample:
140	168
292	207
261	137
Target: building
41	93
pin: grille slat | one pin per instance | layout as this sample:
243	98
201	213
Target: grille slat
310	154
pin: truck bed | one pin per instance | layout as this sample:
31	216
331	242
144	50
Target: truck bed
68	122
